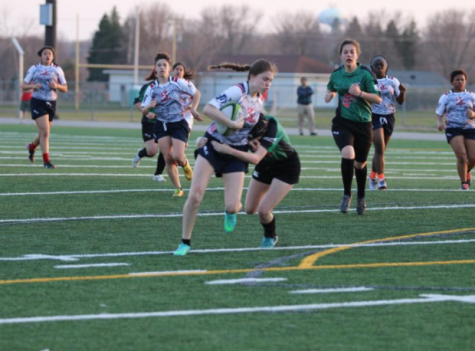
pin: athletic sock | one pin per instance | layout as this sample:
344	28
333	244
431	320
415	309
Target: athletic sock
269	229
381	176
361	180
373	175
160	164
33	147
347	171
143	153
186	241
46	158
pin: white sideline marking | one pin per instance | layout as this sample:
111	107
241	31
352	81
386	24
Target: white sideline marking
112	175
179	215
424	298
326	291
91	265
169	272
244	280
245	249
208	189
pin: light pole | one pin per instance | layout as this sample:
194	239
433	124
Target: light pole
21	53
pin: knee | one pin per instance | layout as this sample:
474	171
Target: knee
44	134
378	149
195	197
462	158
233	208
179	159
360	165
250	210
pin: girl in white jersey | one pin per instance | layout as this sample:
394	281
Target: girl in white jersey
45	78
164	98
208	162
382	118
457	107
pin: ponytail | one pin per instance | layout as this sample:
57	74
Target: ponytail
258	67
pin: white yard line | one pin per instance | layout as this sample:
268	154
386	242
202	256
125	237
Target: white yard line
244	280
94	265
328	291
138	274
424	298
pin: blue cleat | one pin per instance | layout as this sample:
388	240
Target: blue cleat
268	243
230	221
182	250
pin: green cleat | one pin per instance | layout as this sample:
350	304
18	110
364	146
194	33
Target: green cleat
229	222
268	243
182	250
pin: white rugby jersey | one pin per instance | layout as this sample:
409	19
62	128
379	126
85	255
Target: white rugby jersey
251	107
44	75
454	106
170	98
187	101
389	89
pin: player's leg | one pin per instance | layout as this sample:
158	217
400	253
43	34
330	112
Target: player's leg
233	185
458	146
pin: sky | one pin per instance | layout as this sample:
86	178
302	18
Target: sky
16	19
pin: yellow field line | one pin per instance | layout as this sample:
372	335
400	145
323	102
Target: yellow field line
234	271
310	260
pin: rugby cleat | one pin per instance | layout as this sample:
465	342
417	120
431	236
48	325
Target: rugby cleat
49	165
345	204
268	243
182	250
31	154
136	160
361	206
382	184
373	183
159	178
465	186
178	193
188	171
230	221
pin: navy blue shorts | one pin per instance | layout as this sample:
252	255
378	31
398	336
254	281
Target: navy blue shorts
148	131
177	130
223	163
383	121
287	171
453	132
40	108
357	134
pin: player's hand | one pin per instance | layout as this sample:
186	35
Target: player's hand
53	85
470	114
37	86
355	90
201	141
440	126
150	115
153	103
254	144
328	96
221	148
196	115
238	123
402	88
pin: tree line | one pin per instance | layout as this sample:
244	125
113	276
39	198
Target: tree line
444	44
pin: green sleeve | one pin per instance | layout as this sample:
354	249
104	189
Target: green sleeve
370	85
330	85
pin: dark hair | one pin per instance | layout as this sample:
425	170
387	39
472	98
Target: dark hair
49	48
259	129
349	41
456	73
258	67
158	56
379	57
189	75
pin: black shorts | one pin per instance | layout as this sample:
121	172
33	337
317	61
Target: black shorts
287	171
222	163
177	130
40	108
147	131
357	134
383	121
453	132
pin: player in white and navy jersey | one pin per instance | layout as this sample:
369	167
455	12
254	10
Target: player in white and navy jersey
165	99
45	78
382	118
208	162
457	107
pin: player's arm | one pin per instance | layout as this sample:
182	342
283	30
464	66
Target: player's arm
27	83
194	106
249	157
440	111
371	94
61	84
402	94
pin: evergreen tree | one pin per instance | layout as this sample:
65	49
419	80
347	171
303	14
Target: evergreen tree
354	29
107	46
408	45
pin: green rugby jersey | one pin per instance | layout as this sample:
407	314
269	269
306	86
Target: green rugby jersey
349	106
276	141
139	98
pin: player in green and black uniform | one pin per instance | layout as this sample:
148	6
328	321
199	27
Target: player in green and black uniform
151	146
357	89
277	170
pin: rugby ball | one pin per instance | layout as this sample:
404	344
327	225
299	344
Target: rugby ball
232	111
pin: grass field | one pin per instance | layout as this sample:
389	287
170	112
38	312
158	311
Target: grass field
87	265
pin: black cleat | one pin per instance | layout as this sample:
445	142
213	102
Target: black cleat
361	206
49	165
345	204
31	154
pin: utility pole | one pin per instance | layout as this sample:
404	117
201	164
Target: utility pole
50	30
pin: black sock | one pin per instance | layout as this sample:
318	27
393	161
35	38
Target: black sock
143	153
269	229
361	175
186	241
347	169
160	164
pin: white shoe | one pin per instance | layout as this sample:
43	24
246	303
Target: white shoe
373	183
159	178
382	184
136	160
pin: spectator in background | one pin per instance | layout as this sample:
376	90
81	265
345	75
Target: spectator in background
25	103
305	107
